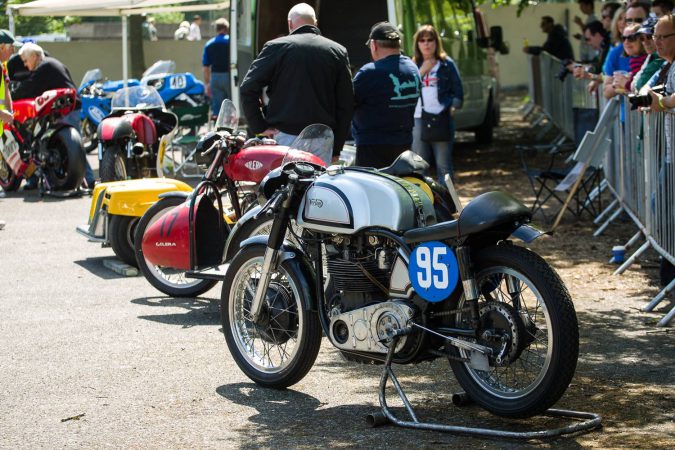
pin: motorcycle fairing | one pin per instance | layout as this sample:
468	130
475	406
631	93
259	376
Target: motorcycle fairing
126	198
127	126
167	241
134	197
24	110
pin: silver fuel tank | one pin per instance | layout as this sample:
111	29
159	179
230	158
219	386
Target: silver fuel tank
348	200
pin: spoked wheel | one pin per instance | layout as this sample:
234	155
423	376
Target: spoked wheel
89	136
528	320
168	280
280	348
113	165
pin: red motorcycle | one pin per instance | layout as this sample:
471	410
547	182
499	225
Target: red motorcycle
40	142
185	232
136	131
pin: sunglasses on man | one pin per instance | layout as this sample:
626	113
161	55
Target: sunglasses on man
635	20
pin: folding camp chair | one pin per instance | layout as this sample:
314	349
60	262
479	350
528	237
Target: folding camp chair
577	186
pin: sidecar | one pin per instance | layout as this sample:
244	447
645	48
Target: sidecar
117	206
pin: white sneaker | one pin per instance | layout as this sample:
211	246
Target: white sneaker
2	224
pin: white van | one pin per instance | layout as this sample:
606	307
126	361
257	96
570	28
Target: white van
464	33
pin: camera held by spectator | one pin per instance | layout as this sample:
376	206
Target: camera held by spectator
644	101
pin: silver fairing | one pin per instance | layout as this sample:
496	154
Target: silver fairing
346	202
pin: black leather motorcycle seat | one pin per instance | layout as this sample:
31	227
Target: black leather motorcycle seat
486	211
407	163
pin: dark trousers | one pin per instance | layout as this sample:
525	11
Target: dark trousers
378	156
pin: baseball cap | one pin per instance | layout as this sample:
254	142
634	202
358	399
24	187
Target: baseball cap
384	31
8	38
647	27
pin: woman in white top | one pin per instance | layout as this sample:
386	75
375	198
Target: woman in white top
441	93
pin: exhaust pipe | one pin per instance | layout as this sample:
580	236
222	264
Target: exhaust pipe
138	149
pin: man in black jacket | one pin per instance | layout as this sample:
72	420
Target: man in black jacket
556	43
308	81
45	73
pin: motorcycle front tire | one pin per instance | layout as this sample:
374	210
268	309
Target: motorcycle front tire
69	172
155	275
121	231
9	182
113	165
285	320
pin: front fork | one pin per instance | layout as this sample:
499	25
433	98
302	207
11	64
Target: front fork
276	239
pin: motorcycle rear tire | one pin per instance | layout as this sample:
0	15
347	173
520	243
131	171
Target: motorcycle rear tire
113	165
194	287
122	230
304	326
562	335
69	173
8	182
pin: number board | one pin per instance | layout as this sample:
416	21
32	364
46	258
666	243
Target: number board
178	82
433	271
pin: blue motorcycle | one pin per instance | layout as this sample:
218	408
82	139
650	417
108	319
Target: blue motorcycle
182	93
96	95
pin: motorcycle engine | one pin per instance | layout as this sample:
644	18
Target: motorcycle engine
361	311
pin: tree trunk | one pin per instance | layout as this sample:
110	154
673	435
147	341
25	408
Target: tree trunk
136	46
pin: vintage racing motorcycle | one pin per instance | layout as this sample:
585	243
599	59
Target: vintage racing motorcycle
130	138
39	141
369	265
181	241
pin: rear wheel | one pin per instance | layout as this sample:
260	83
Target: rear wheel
8	180
280	348
528	320
113	165
64	165
122	230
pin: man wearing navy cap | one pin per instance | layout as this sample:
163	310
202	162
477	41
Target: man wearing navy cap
385	93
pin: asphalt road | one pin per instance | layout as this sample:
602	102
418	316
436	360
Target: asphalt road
92	359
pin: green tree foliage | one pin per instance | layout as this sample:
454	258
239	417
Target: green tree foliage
28	26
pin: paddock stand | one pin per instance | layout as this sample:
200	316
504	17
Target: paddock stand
386	416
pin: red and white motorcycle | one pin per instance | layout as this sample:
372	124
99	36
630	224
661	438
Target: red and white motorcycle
40	142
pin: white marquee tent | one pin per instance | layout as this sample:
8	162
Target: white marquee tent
115	8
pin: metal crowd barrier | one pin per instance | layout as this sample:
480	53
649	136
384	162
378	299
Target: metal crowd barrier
638	163
558	99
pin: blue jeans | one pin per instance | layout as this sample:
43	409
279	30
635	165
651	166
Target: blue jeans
220	90
435	153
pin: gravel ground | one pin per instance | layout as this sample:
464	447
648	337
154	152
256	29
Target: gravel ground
90	359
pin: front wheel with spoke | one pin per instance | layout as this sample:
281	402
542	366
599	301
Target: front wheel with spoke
528	321
279	348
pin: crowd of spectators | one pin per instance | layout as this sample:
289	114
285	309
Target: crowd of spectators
624	56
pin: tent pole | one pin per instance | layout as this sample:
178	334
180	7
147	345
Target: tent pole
10	17
234	72
125	49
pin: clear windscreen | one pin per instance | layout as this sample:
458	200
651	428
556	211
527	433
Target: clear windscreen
160	67
228	118
137	97
316	139
91	76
